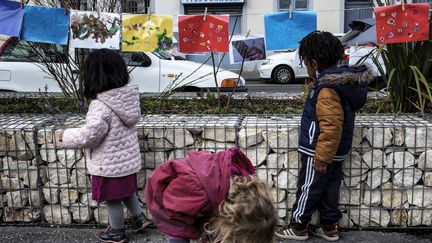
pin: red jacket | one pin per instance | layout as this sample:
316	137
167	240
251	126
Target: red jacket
183	194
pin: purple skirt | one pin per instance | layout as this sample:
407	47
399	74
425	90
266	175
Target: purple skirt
113	188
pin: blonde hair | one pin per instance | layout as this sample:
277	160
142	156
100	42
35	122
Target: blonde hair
247	214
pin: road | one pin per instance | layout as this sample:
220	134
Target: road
263	86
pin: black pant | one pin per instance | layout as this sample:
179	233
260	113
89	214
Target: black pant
316	191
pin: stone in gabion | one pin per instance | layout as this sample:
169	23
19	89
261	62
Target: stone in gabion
249	137
13	215
58	174
81	213
345	221
143	145
31	176
425	161
372	198
282	140
375	159
353	165
358	135
365	216
351	196
398	136
101	214
142	177
178	153
276	161
379	137
407	177
418	138
213	146
400	160
80	181
278	195
265	175
68	197
153	133
377	177
48	152
399	217
419	216
281	209
68	157
219	133
21	149
420	196
427	179
56	214
291	199
35	198
15	168
31	214
8	183
257	154
286	180
159	144
51	193
179	137
4	143
45	136
86	199
17	199
141	196
393	197
353	181
153	159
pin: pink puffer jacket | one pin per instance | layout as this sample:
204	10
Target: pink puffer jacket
110	133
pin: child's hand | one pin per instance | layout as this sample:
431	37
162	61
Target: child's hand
320	166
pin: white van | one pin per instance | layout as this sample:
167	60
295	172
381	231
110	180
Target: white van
21	70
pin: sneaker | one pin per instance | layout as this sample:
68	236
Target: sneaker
293	232
140	223
113	235
329	232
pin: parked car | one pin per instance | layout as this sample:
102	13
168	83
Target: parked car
285	67
21	70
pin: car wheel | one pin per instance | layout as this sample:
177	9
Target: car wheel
283	75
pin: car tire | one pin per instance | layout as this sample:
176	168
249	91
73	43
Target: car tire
283	75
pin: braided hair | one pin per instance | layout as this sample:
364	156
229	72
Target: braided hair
323	47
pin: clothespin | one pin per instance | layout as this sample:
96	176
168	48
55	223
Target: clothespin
290	11
66	6
149	13
98	10
205	14
248	33
403	5
22	3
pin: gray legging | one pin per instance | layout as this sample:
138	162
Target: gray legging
115	210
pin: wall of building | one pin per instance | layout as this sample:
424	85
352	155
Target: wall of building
253	14
330	15
168	7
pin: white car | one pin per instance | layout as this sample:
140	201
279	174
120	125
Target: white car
152	72
282	68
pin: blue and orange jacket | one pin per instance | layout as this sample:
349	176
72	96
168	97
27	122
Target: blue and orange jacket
327	123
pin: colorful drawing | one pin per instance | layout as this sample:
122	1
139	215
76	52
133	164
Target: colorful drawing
283	32
11	17
46	25
197	35
395	25
94	30
249	49
141	34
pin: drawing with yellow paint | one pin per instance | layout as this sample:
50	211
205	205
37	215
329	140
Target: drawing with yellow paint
141	34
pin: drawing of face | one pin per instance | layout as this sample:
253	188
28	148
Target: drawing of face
405	24
416	29
382	39
410	35
211	25
393	14
219	39
194	32
202	35
390	35
186	40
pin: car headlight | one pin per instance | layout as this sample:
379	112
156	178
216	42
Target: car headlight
267	62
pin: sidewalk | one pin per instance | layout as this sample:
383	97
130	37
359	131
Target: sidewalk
54	234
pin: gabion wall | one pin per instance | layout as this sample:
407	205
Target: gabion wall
387	176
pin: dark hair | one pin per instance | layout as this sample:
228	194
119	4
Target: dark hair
101	71
322	46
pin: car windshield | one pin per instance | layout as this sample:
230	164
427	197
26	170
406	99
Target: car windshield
163	55
349	36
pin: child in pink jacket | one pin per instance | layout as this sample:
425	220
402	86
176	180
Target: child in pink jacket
110	137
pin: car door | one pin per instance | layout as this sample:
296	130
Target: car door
21	70
144	71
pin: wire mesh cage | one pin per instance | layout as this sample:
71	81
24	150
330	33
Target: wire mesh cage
387	176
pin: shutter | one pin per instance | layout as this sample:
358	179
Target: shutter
191	9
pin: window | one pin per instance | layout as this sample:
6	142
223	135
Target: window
22	51
132	7
284	5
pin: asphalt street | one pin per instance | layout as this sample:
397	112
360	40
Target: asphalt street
257	85
10	234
